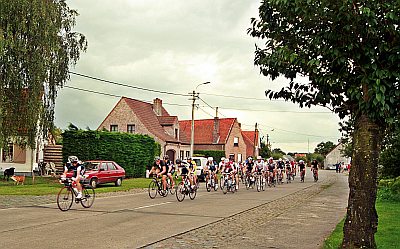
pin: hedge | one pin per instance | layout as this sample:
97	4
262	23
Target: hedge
131	151
216	154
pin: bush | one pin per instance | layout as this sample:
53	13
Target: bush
132	151
389	189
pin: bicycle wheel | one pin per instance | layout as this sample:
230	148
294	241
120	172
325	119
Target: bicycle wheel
65	198
180	192
192	194
208	184
88	197
262	183
225	187
221	182
215	185
153	189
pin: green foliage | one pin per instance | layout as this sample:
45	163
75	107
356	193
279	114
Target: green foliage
324	148
389	189
349	51
216	154
390	155
265	151
37	47
134	152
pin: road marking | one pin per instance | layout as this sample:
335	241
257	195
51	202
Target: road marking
154	205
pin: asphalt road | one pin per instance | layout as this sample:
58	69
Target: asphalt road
129	221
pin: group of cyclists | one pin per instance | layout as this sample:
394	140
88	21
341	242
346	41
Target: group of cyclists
270	169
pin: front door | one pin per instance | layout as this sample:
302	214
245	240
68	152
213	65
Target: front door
171	155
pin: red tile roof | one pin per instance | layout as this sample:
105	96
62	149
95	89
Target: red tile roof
203	130
248	137
144	112
167	120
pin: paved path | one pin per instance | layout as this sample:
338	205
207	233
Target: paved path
307	212
299	220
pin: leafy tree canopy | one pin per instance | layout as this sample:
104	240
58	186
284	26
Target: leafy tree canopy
37	47
348	49
324	147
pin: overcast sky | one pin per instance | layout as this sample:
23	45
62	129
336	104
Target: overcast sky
173	46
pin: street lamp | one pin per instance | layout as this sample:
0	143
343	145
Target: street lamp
194	97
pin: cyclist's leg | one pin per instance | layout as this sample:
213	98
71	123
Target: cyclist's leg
164	181
172	180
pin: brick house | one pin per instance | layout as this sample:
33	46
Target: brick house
134	116
219	134
251	139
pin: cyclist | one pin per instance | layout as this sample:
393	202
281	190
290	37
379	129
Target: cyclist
74	165
221	164
302	168
192	169
280	168
210	169
288	169
235	174
170	169
227	168
314	167
259	165
160	169
184	170
271	169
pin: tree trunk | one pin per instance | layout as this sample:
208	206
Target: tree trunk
362	219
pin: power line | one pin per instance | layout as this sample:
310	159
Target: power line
254	110
239	97
130	86
212	107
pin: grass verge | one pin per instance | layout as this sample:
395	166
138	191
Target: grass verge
388	231
49	185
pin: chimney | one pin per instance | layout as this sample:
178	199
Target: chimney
157	106
216	130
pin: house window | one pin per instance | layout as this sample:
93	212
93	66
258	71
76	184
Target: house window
236	141
181	154
131	128
8	154
113	127
187	154
232	157
240	157
176	133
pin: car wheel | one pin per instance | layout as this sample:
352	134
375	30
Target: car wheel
118	182
93	183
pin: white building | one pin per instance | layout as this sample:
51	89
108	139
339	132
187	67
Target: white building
335	156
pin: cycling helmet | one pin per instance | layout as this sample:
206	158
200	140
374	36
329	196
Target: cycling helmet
280	159
157	158
178	161
259	157
210	159
73	159
250	158
222	159
226	160
301	161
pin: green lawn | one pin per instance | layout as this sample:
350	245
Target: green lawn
388	234
49	185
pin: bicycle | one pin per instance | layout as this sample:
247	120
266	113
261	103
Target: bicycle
249	180
211	183
184	188
68	193
271	179
288	176
302	173
315	175
280	176
156	186
260	181
228	183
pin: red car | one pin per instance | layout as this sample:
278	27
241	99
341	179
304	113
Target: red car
99	172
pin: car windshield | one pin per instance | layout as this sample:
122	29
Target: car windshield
198	162
92	166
